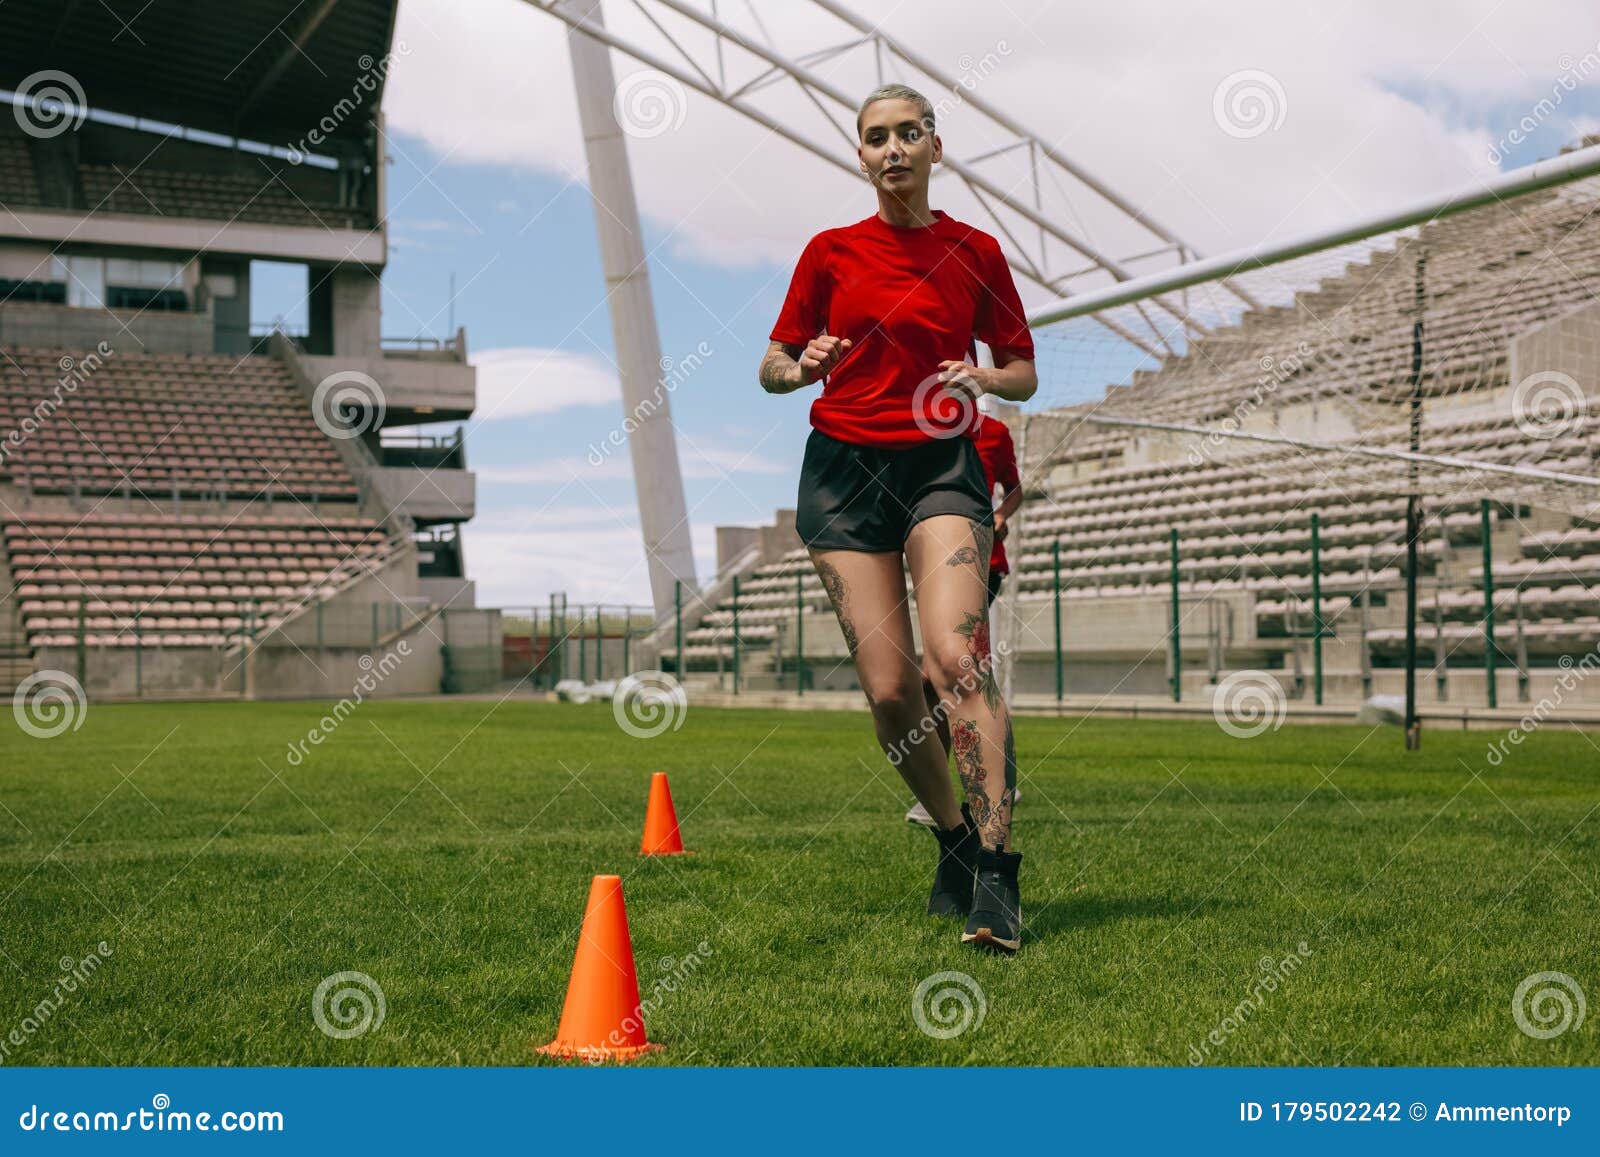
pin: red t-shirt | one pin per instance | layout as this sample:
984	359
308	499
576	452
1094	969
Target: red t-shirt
999	455
908	299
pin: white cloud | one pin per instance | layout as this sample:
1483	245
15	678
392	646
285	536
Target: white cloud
1125	90
698	458
434	225
594	554
702	458
1584	126
555	470
516	382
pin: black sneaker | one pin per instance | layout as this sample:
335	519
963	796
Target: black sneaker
996	917
954	876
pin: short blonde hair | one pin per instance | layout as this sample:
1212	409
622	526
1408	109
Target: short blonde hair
896	92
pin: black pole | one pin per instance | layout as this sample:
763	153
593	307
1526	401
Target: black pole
1414	517
799	634
1177	640
1316	605
1488	604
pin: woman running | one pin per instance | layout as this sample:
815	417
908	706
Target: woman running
884	310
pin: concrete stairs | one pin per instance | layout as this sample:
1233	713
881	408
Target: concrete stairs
16	658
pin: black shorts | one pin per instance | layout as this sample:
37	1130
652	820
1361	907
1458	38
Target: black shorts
867	498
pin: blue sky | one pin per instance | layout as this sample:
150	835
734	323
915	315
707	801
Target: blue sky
504	208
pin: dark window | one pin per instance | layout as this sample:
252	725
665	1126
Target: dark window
54	292
127	297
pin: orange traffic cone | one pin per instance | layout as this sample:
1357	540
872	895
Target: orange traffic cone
602	1018
661	836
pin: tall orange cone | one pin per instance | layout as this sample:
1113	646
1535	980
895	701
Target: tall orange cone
661	836
602	1018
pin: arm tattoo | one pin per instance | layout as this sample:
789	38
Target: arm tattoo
833	582
775	367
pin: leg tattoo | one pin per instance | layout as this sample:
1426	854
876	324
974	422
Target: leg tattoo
983	536
968	746
992	816
976	629
1007	797
962	557
833	582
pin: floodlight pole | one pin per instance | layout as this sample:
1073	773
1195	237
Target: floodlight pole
657	480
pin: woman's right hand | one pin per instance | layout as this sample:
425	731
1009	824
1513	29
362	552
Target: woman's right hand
820	356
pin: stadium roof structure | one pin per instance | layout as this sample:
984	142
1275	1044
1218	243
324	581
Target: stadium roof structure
249	71
1061	227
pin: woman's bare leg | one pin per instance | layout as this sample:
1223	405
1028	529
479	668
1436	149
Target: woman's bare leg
868	589
931	697
949	558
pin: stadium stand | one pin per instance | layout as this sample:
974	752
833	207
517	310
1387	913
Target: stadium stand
1491	279
262	195
196	580
182	509
17	185
167	425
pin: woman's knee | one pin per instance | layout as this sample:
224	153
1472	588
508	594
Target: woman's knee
954	663
892	697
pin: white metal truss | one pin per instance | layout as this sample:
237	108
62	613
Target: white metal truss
1056	221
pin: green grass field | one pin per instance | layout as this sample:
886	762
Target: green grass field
446	851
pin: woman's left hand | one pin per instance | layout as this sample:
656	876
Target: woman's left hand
963	379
